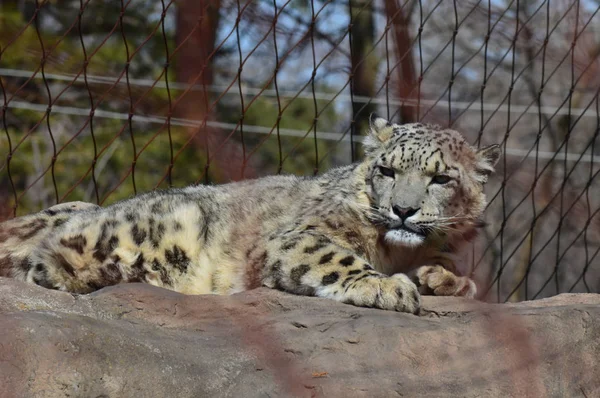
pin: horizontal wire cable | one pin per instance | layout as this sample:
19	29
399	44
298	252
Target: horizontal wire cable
469	106
323	135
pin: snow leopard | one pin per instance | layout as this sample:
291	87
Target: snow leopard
352	234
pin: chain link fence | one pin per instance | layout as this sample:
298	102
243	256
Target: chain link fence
102	100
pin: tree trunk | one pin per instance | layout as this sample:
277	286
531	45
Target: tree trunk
197	23
407	79
364	64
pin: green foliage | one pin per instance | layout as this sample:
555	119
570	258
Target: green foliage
298	154
109	156
73	165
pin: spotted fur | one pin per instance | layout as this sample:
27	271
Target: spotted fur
348	235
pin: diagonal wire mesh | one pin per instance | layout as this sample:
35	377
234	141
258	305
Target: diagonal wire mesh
102	101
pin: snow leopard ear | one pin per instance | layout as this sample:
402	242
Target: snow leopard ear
486	160
380	130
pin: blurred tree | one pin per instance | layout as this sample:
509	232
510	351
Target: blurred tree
364	63
196	32
399	19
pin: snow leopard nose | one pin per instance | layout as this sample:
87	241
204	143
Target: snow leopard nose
404	212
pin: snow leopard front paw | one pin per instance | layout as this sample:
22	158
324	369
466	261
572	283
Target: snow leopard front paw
396	293
436	280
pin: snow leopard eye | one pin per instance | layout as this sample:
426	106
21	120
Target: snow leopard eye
386	171
440	179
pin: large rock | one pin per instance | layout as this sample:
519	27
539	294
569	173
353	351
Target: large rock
141	341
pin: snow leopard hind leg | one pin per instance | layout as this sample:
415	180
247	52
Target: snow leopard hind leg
151	238
22	236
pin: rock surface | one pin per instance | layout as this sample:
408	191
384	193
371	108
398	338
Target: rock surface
141	341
